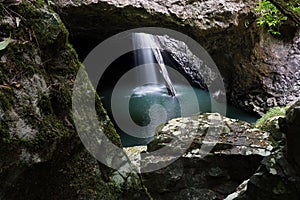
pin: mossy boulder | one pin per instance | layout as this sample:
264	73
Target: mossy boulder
41	156
243	164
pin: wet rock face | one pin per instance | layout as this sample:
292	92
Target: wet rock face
90	22
259	71
199	172
274	70
197	70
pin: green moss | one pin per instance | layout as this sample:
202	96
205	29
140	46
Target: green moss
45	104
51	131
6	99
269	122
86	180
273	112
4	136
61	99
16	67
159	128
45	26
42	34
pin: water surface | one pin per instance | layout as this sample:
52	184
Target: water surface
152	101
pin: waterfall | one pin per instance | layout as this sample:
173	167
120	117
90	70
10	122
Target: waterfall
150	52
143	42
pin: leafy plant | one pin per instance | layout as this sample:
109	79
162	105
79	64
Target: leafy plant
4	43
296	6
270	16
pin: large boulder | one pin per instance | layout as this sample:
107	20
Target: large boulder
293	133
202	173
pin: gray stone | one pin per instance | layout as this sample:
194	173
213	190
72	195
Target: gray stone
237	153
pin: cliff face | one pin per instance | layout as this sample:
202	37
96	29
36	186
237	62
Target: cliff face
259	71
41	156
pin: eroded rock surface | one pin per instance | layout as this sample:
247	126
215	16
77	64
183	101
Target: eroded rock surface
203	172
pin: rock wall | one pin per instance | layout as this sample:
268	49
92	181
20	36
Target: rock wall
41	156
259	71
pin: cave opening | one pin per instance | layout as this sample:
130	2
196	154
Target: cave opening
139	103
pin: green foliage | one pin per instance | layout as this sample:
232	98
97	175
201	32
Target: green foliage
295	5
270	16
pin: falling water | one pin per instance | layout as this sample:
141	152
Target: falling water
150	46
144	41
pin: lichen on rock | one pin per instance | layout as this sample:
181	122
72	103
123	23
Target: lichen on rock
230	136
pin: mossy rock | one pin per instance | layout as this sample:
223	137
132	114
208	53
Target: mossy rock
37	133
269	122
